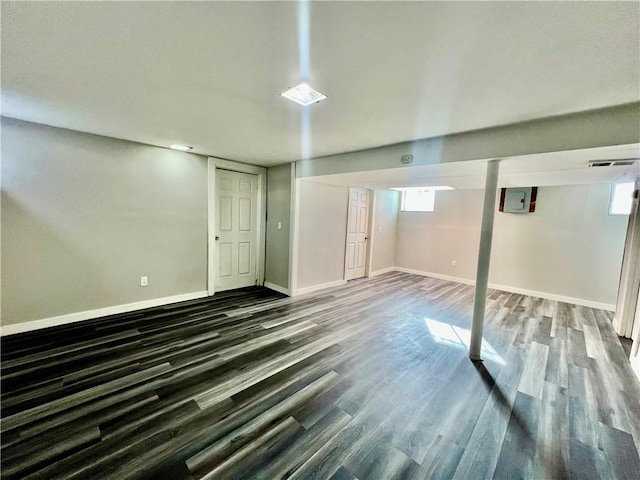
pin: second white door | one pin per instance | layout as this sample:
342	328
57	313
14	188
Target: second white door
357	226
236	230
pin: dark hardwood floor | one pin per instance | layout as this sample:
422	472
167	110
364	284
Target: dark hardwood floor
367	381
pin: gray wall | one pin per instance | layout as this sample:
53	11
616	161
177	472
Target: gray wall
278	210
570	246
428	241
322	233
84	216
385	219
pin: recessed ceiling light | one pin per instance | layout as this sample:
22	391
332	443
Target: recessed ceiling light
182	148
304	95
432	187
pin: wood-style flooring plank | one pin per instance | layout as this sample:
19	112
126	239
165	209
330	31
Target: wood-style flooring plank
365	381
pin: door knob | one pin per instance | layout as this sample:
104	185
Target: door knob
217	238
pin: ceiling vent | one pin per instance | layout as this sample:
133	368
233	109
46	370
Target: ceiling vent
623	162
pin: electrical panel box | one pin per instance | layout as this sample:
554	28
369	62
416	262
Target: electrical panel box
518	200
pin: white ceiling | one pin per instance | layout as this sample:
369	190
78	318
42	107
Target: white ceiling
547	169
208	74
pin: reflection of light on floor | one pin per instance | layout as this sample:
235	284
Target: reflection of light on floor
461	338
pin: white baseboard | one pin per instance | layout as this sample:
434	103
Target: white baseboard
381	271
100	312
436	275
552	296
521	291
315	288
277	288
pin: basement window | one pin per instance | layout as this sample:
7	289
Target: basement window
418	200
621	198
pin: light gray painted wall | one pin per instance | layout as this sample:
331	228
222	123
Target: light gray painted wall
278	208
322	233
595	128
385	219
570	246
84	216
428	241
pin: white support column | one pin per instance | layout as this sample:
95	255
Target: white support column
484	256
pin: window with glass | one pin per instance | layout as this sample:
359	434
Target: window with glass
418	200
621	198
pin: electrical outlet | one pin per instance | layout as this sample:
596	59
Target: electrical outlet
453	263
279	225
380	229
144	281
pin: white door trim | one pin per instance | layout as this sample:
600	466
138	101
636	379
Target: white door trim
294	232
371	233
346	237
261	172
629	284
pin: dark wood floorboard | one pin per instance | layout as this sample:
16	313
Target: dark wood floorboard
366	381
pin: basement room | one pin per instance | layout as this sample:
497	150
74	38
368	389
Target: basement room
320	240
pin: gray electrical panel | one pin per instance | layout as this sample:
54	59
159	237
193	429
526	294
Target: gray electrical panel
518	200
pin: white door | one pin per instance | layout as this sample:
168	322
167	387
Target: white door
236	230
357	225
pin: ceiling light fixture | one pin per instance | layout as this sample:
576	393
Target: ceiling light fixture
304	95
433	187
182	148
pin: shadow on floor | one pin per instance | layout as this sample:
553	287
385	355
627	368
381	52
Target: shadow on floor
521	430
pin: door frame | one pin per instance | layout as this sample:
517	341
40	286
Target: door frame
370	232
261	218
294	221
367	248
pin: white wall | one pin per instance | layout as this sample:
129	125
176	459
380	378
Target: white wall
322	230
385	219
569	247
